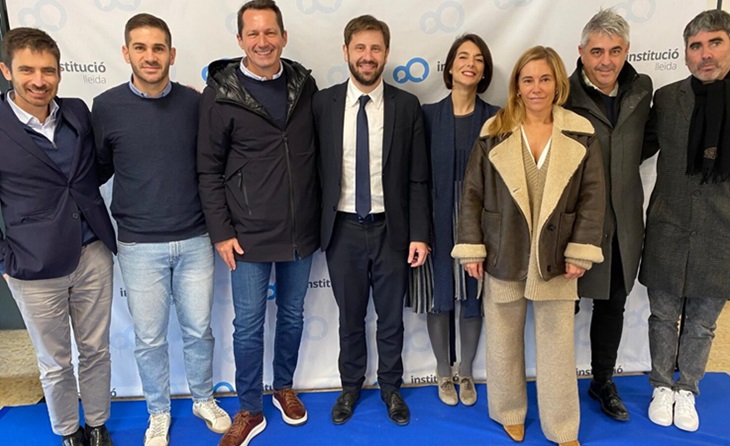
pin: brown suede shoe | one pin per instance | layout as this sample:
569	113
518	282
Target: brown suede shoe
291	407
245	426
515	431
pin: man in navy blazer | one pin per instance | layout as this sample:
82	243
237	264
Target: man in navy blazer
56	252
376	214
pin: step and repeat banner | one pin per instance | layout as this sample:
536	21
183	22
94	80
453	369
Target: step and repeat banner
91	33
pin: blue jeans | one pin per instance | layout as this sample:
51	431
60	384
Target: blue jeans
250	282
157	275
691	349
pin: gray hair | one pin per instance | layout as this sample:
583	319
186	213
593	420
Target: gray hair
607	22
708	21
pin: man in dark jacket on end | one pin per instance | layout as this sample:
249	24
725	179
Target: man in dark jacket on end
607	91
260	194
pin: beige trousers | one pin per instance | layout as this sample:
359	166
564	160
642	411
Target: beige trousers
557	386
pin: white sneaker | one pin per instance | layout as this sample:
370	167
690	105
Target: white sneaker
216	418
157	432
685	415
660	409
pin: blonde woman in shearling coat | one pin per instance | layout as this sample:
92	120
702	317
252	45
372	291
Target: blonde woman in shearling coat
532	219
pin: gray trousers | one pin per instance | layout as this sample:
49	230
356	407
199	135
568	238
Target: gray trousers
51	308
690	350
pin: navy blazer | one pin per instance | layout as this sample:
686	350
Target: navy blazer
405	163
41	206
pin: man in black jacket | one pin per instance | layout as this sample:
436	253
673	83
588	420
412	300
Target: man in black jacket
607	91
259	188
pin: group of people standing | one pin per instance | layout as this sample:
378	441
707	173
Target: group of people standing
459	201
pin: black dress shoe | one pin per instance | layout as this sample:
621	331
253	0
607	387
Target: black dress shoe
76	439
344	406
98	436
611	403
397	409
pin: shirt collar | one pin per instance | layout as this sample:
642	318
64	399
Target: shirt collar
354	93
248	73
165	91
588	82
25	117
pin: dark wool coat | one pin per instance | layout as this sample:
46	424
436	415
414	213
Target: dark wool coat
687	246
621	152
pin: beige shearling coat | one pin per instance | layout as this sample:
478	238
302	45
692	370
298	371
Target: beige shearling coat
496	223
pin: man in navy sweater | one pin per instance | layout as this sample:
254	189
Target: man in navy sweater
55	253
146	134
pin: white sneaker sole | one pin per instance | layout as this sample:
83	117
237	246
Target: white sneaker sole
687	428
287	420
209	424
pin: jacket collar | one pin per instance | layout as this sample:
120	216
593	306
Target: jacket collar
567	155
686	98
12	126
585	97
223	78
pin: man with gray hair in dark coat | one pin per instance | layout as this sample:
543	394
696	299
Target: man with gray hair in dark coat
687	249
607	90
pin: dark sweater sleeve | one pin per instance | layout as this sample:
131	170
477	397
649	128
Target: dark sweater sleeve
104	155
213	146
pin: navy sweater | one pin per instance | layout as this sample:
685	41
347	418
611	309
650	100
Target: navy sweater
150	146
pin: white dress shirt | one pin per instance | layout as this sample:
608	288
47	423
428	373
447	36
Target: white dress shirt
374	110
46	128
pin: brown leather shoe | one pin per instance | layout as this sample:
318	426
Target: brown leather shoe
291	407
570	443
245	426
515	431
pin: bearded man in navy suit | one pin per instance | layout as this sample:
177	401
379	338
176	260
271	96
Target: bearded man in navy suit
376	217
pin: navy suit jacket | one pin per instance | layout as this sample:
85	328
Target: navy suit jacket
40	205
405	164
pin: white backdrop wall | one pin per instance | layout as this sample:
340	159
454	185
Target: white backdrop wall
90	34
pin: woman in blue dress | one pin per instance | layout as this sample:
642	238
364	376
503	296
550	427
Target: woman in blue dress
452	126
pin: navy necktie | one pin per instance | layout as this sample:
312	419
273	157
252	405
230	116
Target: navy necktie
362	162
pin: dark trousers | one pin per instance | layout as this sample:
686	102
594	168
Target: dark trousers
607	322
360	257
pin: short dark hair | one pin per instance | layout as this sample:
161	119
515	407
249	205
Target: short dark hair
367	23
708	21
259	5
483	48
31	38
146	20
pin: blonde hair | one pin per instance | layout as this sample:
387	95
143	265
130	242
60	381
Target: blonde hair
513	113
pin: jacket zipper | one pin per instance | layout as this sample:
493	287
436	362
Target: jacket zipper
242	187
291	195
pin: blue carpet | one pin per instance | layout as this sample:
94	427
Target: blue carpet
432	422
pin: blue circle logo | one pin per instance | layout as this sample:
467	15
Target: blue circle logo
312	6
448	17
403	74
46	14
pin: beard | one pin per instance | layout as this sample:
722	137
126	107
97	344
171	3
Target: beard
367	80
